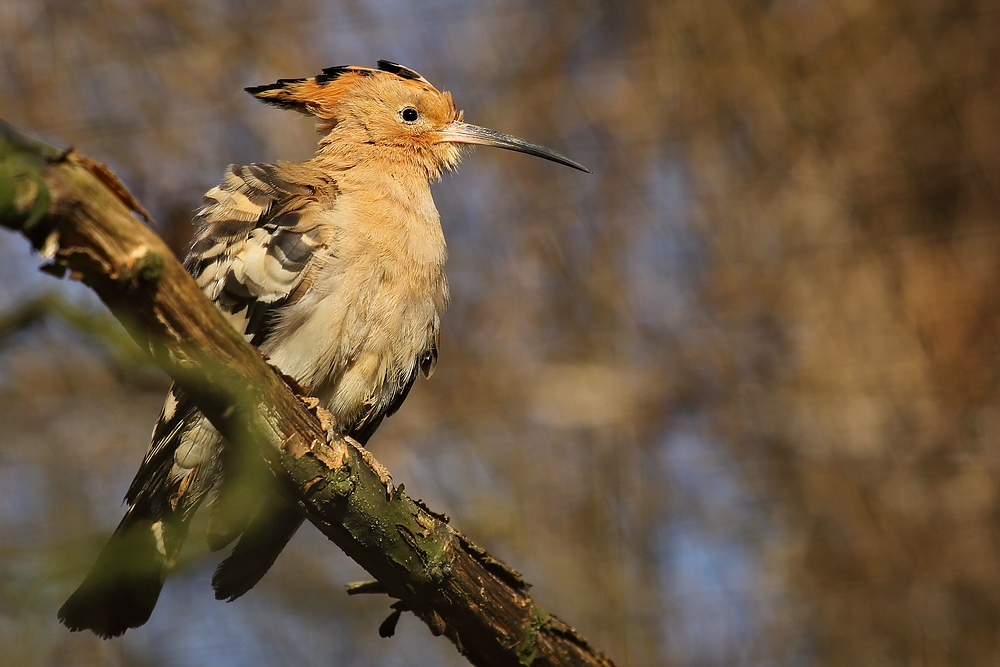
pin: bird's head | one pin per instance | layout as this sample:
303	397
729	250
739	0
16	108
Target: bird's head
394	112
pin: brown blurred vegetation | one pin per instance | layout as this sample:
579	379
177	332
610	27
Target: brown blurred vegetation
730	400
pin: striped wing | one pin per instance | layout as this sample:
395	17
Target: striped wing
252	254
254	242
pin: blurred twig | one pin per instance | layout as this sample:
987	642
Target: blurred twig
455	587
97	325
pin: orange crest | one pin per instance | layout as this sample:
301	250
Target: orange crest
319	95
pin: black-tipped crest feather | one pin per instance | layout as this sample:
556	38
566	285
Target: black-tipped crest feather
283	94
400	71
277	94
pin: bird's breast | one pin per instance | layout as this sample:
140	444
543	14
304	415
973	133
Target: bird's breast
373	307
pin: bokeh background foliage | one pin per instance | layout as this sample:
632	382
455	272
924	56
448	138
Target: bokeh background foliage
730	400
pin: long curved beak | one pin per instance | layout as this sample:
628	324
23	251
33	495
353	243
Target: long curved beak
458	132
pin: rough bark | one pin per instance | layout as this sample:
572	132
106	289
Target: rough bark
78	216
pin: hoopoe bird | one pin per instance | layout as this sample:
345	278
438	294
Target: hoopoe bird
334	269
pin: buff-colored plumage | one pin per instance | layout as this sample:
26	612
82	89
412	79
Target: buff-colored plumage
334	268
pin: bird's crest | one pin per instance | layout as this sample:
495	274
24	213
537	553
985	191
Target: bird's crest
319	95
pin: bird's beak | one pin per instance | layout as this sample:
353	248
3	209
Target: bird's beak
458	132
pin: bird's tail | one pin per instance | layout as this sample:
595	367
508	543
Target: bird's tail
259	546
121	589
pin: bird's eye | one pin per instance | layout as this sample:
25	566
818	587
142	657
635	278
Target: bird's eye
409	114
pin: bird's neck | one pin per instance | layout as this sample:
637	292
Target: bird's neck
344	145
390	203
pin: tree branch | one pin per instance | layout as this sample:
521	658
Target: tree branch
78	216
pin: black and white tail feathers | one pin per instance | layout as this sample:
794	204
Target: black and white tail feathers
123	586
264	538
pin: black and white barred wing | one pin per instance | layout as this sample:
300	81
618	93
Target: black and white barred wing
255	240
253	253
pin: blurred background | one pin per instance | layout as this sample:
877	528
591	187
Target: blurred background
730	400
